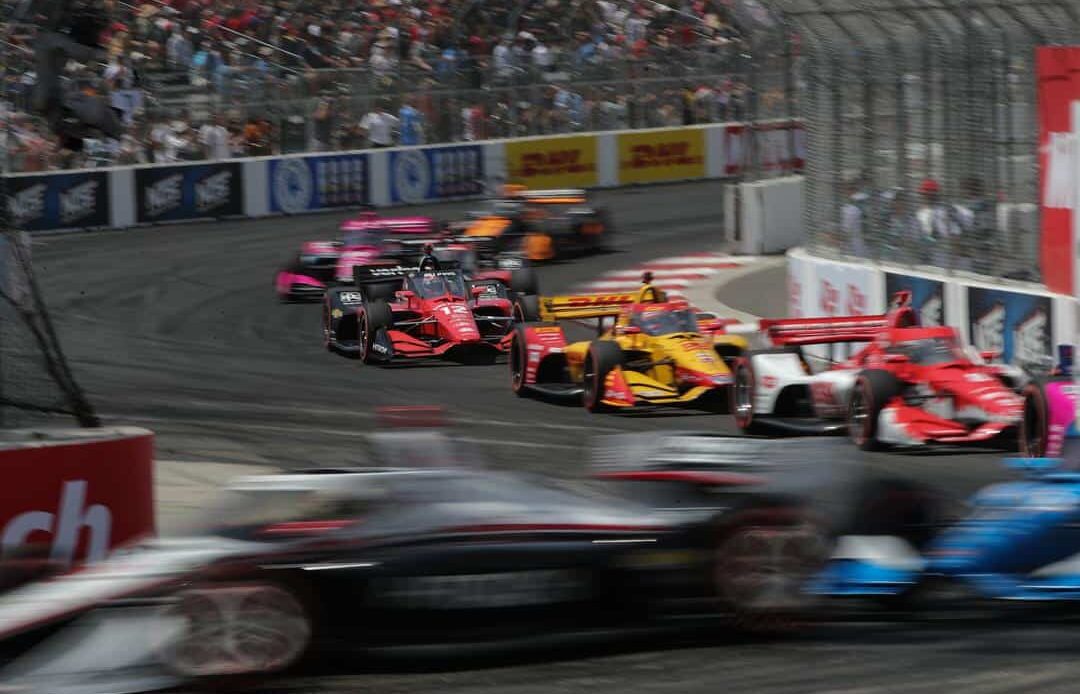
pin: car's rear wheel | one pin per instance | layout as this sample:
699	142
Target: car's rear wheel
236	630
526	308
602	358
1035	425
765	557
524	281
873	390
742	395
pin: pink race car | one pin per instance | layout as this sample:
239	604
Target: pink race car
365	240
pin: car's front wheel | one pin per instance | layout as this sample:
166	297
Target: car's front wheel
236	630
765	559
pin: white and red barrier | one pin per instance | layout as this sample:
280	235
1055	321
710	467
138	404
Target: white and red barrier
77	494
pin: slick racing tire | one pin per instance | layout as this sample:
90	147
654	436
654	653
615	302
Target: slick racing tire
374	316
519	355
1035	426
764	558
873	389
326	332
603	356
1048	405
231	632
526	308
524	281
742	396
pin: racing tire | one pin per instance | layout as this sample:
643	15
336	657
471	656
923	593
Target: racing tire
327	342
873	389
526	308
742	396
1035	425
231	633
602	357
524	281
765	555
374	316
519	355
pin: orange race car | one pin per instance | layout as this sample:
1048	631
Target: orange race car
541	224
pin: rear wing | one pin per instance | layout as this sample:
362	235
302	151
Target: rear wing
377	274
823	331
554	308
837	329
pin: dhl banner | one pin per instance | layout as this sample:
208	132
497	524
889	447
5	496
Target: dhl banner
661	155
556	162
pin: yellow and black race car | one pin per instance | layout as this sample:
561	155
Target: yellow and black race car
541	224
648	351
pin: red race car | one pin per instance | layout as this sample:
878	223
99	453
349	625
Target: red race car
398	312
907	385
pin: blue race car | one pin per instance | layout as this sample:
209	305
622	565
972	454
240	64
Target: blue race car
1020	542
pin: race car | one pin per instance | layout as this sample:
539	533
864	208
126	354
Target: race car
648	351
1016	543
400	312
1051	408
541	224
364	239
288	566
907	385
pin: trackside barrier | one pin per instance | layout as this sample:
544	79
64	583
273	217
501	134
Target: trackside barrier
121	197
74	495
1022	321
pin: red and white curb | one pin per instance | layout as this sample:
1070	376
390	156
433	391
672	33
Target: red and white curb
673	275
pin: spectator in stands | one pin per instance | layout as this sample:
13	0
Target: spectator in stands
412	123
379	126
215	139
322	127
938	223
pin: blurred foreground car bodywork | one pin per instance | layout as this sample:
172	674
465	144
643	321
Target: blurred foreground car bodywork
1018	543
433	555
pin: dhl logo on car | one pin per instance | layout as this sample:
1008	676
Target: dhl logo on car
664	154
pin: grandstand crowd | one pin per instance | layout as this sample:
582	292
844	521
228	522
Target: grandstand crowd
201	79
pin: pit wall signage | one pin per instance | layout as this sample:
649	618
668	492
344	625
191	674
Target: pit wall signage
195	191
557	162
76	200
1016	325
927	295
661	155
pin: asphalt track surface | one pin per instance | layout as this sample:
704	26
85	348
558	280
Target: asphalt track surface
177	329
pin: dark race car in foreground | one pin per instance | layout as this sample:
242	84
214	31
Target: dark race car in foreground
397	312
385	557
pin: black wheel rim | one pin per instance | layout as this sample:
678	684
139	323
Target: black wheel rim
364	344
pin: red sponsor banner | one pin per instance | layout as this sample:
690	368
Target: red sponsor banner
79	500
1058	69
781	147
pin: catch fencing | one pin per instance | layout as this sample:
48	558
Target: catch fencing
922	131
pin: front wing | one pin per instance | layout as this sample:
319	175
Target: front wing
624	389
